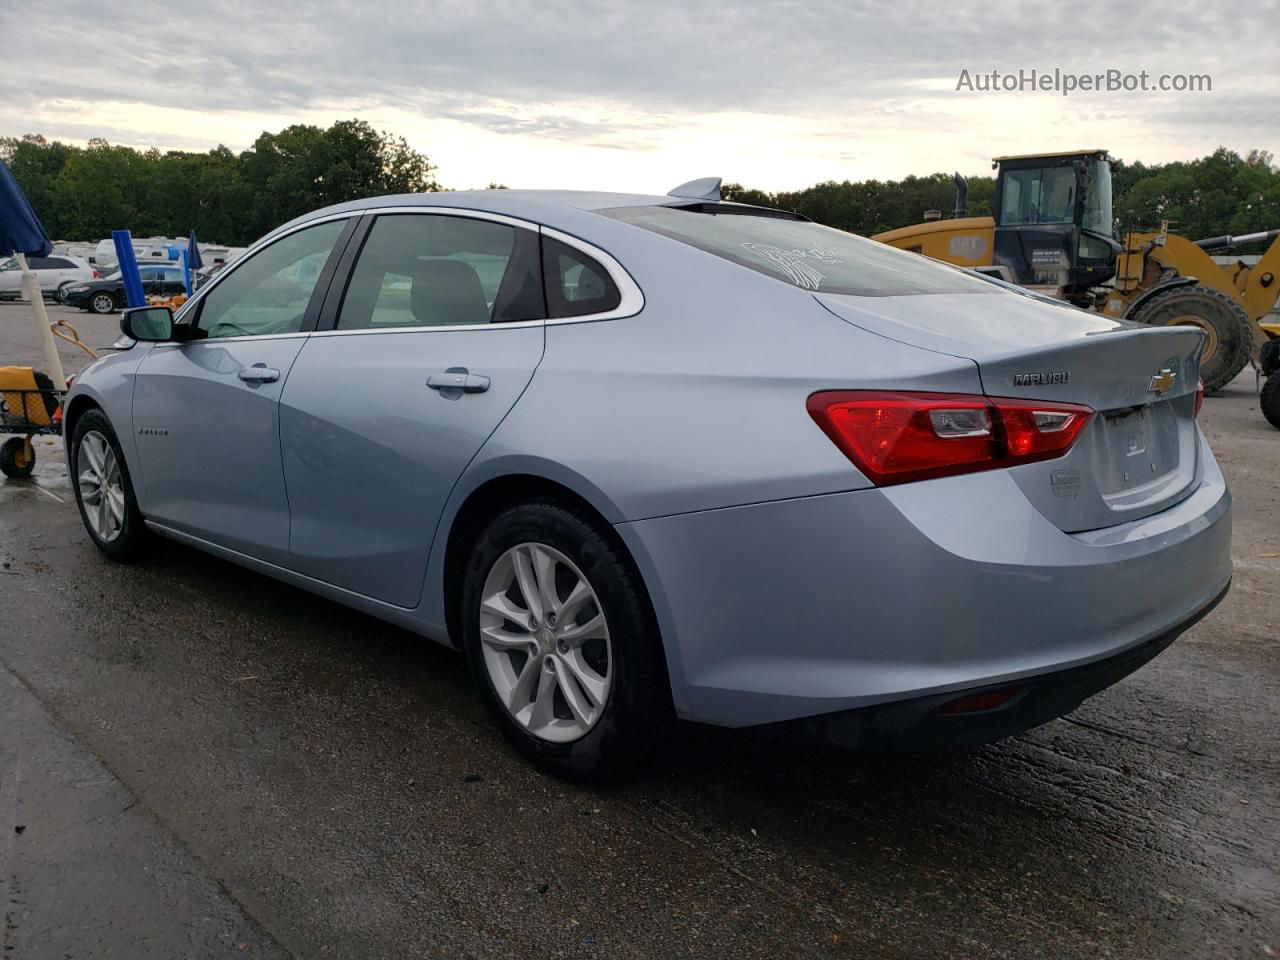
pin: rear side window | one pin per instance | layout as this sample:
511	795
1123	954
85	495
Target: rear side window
804	254
431	270
576	284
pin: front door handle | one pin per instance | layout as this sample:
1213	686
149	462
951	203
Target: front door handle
458	379
259	373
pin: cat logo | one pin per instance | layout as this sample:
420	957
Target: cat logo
1162	382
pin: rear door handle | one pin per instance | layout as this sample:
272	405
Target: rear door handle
259	373
458	379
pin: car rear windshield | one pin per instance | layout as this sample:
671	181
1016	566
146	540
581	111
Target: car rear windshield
808	255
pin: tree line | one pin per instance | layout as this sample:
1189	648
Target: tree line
83	193
1223	192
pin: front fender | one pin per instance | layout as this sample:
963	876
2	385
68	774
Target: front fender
108	383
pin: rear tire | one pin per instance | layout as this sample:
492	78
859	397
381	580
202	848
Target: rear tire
1228	327
636	711
1269	399
124	536
14	462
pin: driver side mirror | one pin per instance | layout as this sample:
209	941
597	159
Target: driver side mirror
147	324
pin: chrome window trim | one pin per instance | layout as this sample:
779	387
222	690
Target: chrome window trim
429	327
631	297
244	258
454	212
297	334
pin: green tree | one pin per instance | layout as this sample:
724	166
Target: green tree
86	192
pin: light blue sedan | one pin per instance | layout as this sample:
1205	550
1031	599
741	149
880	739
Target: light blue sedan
654	457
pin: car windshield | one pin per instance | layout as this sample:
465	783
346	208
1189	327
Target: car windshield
1039	195
9	265
808	255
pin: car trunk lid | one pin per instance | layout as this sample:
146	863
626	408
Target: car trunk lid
1139	453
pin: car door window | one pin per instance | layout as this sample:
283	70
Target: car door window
421	270
269	292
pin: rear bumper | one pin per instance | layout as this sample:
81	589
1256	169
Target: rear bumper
924	723
830	604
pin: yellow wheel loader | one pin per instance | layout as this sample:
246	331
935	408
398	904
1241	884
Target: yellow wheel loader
1052	232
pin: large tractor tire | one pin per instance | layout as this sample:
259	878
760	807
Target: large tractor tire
1227	327
1269	399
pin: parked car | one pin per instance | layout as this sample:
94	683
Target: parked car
644	457
107	295
52	272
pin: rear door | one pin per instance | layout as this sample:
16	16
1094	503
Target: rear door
427	347
207	410
48	271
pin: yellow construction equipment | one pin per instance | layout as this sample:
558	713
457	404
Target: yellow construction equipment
1053	232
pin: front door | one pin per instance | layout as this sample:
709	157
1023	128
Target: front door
382	414
206	410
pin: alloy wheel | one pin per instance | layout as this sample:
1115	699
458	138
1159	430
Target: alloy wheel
103	303
101	486
545	643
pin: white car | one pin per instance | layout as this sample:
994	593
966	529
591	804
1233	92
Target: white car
52	272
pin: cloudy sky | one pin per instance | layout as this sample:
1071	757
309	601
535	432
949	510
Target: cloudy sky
631	95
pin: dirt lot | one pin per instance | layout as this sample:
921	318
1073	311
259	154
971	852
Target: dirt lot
206	763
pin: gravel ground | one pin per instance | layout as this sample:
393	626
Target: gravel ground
206	763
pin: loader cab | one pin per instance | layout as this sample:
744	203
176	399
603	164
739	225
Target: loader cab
1053	221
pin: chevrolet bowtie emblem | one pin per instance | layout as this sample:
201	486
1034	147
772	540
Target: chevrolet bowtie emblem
1162	382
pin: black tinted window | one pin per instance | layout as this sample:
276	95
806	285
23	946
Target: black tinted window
42	263
419	270
576	284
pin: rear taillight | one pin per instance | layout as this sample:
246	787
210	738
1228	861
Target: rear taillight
900	437
1199	396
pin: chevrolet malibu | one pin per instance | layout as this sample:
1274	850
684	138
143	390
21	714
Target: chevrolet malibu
643	457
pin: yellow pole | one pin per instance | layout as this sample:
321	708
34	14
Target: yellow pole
31	289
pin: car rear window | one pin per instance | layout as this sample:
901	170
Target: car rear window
807	255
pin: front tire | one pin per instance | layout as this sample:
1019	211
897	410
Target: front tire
102	303
1269	399
561	640
104	489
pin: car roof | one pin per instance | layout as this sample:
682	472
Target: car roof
538	206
